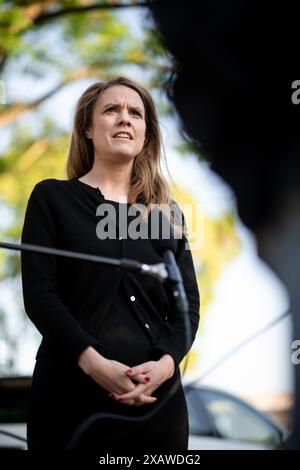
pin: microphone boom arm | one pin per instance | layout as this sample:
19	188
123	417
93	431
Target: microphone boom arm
158	270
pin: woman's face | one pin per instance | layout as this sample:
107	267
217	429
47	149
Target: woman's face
118	128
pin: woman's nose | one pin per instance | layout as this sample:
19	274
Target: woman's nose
124	117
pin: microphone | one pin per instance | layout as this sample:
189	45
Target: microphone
168	248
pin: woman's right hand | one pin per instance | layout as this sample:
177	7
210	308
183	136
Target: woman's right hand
109	374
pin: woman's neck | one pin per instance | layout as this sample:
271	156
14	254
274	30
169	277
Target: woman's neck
112	185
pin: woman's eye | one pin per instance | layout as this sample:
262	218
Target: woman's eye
114	109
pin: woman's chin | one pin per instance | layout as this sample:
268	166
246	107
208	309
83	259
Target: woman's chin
124	155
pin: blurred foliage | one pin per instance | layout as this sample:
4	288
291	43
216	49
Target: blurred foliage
57	44
60	50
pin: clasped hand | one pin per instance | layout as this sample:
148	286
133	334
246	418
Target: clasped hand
141	381
145	379
131	386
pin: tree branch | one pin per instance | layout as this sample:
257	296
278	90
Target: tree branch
96	6
10	113
3	59
35	9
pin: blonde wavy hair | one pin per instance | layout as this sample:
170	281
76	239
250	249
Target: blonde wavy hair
148	185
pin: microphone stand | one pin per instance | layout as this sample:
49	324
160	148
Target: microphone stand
174	275
158	270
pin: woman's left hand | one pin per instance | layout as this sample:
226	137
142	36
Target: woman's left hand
157	371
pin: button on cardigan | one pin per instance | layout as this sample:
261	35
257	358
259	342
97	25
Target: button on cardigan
68	299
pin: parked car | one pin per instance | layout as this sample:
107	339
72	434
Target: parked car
217	419
14	394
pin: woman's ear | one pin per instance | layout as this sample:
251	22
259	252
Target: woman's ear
87	134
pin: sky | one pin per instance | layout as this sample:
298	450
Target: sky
247	296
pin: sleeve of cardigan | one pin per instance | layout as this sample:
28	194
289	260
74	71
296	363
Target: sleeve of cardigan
42	301
173	338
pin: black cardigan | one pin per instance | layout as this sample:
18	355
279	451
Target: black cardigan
67	299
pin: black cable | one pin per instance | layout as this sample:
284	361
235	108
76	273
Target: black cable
90	420
11	434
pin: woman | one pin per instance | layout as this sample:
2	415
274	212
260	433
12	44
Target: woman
112	340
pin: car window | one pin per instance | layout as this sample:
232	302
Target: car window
199	423
233	420
14	393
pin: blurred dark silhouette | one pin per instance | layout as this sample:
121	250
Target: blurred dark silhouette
237	61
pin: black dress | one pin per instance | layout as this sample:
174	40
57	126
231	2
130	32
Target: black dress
63	396
56	412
